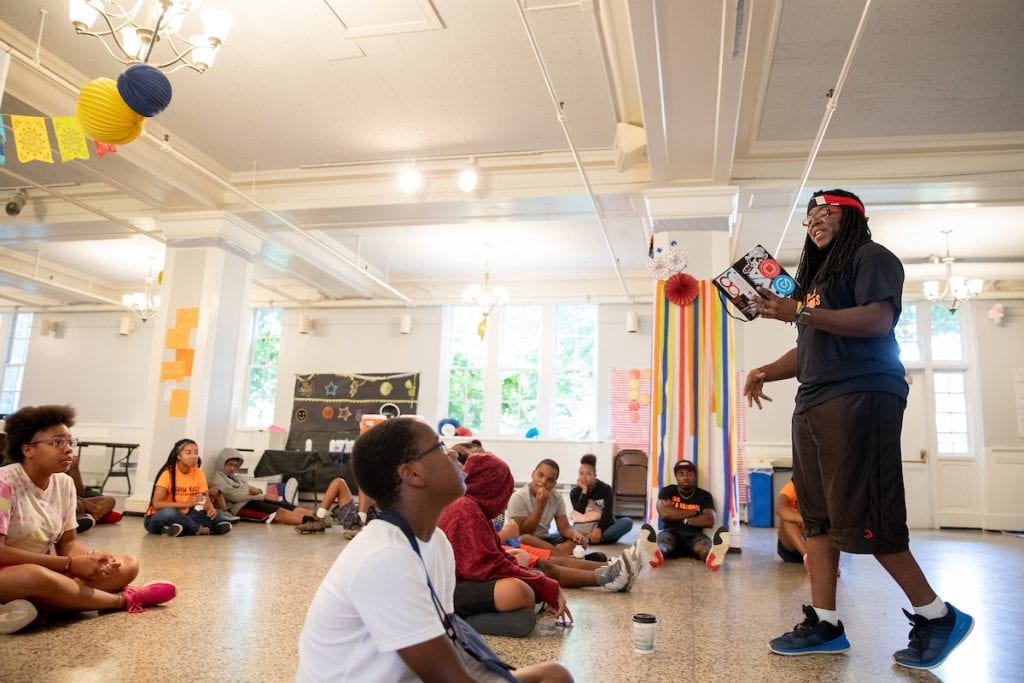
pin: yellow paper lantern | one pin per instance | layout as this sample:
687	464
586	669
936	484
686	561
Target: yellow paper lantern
105	116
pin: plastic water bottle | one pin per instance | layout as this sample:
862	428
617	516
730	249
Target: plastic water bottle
578	552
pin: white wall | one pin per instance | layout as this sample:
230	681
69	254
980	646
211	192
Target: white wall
1000	353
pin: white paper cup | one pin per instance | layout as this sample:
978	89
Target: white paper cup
644	626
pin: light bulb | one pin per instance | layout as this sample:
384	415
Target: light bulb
931	289
468	178
217	24
203	52
410	180
83	15
975	285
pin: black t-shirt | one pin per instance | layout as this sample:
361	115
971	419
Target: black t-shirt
699	500
601	494
828	365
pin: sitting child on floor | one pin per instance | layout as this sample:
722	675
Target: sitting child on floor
179	504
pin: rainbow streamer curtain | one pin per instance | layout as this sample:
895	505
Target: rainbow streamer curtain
692	396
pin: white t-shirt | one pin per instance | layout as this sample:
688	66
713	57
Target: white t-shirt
522	503
32	518
373	602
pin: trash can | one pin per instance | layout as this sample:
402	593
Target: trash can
760	504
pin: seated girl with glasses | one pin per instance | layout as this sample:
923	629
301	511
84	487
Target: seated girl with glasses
180	504
41	559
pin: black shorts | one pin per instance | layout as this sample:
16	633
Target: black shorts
848	472
267	507
684	543
786	554
474	597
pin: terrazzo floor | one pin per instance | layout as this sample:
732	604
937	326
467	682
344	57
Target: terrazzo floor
243	597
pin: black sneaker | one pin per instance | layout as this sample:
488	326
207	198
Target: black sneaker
931	640
596	556
221	528
85	522
173	530
810	637
310	525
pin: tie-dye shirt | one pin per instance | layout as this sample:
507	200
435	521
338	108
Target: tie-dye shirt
31	518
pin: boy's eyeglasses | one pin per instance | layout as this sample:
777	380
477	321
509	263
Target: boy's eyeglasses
437	446
813	218
56	442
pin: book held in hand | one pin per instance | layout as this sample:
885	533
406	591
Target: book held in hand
756	268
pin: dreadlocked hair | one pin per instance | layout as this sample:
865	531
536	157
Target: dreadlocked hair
171	465
819	266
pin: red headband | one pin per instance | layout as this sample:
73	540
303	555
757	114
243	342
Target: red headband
836	200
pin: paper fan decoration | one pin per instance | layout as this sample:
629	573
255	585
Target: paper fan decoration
681	289
666	261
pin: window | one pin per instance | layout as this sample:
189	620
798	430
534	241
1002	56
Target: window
931	338
519	365
575	381
14	366
951	413
535	368
261	379
468	363
946	342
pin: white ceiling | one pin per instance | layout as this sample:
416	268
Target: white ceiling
298	129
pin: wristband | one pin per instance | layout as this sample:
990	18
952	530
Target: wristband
799	306
67	567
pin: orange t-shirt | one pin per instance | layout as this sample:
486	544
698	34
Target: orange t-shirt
185	486
789	491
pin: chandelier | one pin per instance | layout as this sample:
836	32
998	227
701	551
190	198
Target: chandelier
956	288
485	297
143	304
132	33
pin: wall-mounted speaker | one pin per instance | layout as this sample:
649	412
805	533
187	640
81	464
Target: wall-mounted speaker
405	324
632	322
47	327
125	326
305	324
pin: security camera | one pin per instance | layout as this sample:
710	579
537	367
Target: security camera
16	204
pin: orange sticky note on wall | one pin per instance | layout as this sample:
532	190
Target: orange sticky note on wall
187	317
186	358
179	403
177	338
167	372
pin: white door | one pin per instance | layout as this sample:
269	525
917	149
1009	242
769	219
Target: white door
917	456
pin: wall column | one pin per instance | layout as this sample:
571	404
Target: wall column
193	386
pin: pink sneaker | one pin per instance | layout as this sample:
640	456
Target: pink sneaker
153	593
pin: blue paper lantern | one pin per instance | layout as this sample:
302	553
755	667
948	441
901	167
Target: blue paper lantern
145	89
532	433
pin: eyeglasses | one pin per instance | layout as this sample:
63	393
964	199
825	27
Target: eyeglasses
57	442
437	446
813	218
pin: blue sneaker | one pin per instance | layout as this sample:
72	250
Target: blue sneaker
811	637
931	640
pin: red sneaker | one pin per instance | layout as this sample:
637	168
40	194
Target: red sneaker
153	593
112	517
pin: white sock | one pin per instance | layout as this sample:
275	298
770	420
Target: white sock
362	517
936	609
321	513
829	615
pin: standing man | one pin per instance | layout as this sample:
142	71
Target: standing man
686	511
846	427
536	504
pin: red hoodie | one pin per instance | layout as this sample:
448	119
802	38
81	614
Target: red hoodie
467	524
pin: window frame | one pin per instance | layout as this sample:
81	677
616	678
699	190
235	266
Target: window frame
928	367
12	337
493	370
251	367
